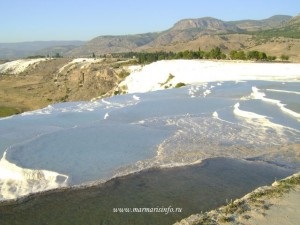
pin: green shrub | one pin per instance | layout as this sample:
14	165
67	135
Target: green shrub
123	74
178	85
284	57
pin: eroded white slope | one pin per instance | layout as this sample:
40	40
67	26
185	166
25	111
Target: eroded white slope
80	62
18	66
16	181
164	74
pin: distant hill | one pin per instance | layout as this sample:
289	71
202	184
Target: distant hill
204	33
289	29
279	34
112	44
24	49
255	25
190	29
201	24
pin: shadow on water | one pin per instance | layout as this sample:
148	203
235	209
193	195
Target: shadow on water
195	188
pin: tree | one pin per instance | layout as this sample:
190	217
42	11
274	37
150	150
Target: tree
253	55
284	57
241	55
215	53
237	55
233	54
187	55
271	58
262	56
57	55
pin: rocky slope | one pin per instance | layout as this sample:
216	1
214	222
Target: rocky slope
111	44
205	33
49	81
255	25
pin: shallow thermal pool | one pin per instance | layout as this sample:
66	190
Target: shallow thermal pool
88	142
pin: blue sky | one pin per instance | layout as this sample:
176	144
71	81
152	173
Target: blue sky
33	20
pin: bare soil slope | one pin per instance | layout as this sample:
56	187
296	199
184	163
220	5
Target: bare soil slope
58	80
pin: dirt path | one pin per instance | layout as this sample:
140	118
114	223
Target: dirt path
271	205
283	210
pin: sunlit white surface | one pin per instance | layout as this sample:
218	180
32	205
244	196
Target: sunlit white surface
81	143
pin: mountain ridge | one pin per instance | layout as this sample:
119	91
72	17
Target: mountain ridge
203	23
269	23
189	34
206	32
27	48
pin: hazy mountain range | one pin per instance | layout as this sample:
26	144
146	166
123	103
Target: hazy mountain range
24	49
275	35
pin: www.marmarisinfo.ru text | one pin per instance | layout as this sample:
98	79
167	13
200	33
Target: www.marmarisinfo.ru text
165	210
